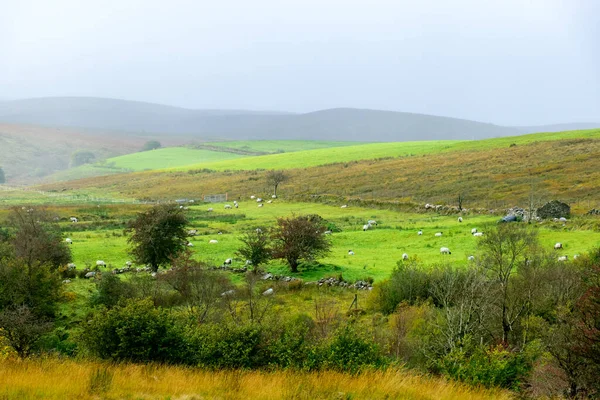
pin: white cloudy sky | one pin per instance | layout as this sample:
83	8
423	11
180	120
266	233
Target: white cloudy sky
504	61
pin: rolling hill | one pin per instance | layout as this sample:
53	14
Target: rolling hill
345	124
489	173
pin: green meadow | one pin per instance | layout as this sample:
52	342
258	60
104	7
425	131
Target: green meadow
376	250
280	146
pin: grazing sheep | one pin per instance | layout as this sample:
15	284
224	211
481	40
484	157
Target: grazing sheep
228	293
90	274
269	201
473	231
445	250
344	206
268	292
438	234
420	233
100	263
248	262
372	222
189	244
366	227
261	204
575	256
235	202
71	266
227	206
459	219
191	201
478	234
213	241
327	232
219	233
236	205
258	230
471	258
274	196
558	246
350	253
74	219
562	219
405	256
129	263
563	258
252	197
192	232
68	240
259	200
227	262
210	209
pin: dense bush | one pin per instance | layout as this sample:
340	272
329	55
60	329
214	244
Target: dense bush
135	331
110	291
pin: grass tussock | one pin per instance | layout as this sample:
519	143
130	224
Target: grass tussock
57	379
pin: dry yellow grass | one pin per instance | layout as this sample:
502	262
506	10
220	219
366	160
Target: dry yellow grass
68	379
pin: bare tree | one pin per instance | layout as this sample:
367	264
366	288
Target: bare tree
22	329
505	249
275	178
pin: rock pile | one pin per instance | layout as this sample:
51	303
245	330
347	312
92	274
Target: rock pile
554	209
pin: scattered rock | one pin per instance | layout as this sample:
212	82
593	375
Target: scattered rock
554	209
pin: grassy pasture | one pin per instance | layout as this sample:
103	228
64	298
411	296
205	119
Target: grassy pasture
376	250
278	146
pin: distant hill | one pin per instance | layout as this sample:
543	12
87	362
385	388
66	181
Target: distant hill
348	124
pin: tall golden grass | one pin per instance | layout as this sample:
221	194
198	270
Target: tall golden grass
69	379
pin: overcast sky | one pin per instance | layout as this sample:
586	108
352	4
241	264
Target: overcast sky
519	62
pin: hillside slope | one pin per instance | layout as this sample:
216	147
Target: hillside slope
492	173
348	124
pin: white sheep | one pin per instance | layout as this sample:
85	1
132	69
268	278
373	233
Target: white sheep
372	222
261	204
478	234
473	231
100	263
258	230
344	206
558	246
210	209
268	292
228	293
327	232
236	205
128	263
213	241
405	256
350	253
68	240
471	258
274	196
445	250
438	234
562	219
190	244
227	206
259	200
269	201
420	233
74	219
563	258
227	262
71	266
366	227
460	219
192	232
252	197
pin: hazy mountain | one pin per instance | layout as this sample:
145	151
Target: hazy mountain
559	127
332	124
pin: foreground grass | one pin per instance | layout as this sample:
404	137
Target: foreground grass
56	379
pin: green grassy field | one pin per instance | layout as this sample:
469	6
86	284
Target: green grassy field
280	146
376	251
372	151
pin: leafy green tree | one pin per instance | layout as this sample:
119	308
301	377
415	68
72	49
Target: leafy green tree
151	145
2	176
256	247
81	157
300	238
37	238
33	285
111	290
158	235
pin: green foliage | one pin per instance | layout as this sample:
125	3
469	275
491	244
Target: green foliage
37	238
256	247
33	285
408	284
151	145
81	157
110	290
487	366
300	238
135	331
350	351
22	329
159	235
